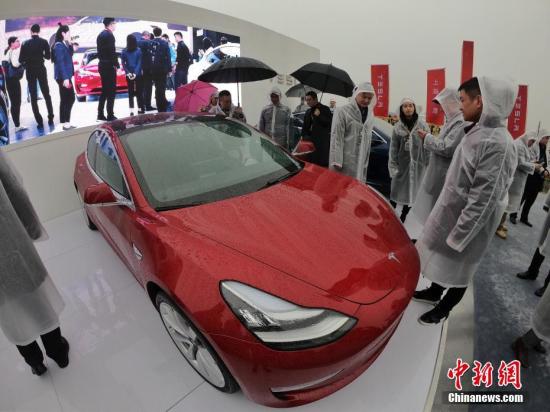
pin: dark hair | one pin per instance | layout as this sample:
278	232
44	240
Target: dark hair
11	40
206	43
471	87
165	36
108	20
157	31
63	28
35	28
131	42
145	33
311	93
408	122
224	93
178	33
223	40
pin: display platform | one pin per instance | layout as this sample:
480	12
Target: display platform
122	359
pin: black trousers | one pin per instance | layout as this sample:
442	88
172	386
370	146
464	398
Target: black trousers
66	103
34	75
55	348
14	92
159	80
135	89
147	88
180	77
108	90
404	212
451	298
533	186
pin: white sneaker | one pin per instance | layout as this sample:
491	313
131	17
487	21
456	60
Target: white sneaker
68	126
20	129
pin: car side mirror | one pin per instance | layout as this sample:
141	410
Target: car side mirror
101	195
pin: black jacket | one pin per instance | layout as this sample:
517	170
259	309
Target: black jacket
146	61
160	56
33	52
183	57
106	50
317	130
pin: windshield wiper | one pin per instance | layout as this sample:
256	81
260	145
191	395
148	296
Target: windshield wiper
279	179
182	206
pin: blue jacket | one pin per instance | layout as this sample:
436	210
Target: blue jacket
131	61
63	62
160	56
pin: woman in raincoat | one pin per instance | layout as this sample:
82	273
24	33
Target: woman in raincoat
468	211
29	301
525	168
442	149
351	133
408	158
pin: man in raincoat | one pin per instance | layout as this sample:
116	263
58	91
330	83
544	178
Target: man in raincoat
408	158
29	301
351	133
525	168
226	107
316	128
275	119
468	211
442	150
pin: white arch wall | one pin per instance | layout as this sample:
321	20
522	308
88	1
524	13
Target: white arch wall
511	38
46	164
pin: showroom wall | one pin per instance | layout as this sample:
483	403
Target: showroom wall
46	164
511	39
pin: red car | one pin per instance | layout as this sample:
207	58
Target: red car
270	274
87	81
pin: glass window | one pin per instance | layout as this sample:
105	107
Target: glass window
107	166
185	163
91	150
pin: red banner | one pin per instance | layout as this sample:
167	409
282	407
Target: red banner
436	83
518	117
467	61
380	79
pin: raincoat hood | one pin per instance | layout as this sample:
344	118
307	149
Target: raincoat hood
365	87
449	101
529	136
277	91
499	97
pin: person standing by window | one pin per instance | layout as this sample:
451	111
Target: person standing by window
161	67
13	80
183	60
63	72
131	61
108	64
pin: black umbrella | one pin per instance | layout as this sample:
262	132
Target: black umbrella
237	70
325	77
300	90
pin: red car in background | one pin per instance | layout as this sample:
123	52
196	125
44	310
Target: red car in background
269	273
87	81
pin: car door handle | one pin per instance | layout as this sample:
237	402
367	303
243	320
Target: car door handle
137	252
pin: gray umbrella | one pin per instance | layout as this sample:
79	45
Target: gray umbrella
300	90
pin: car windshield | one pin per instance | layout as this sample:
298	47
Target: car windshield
202	160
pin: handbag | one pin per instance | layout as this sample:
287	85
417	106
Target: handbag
15	72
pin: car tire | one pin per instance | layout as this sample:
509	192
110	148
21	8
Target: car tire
91	225
81	98
191	342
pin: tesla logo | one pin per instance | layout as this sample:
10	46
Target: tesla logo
391	256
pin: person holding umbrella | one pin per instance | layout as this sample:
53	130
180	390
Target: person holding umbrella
316	128
226	107
275	119
351	133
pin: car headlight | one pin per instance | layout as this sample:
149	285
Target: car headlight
86	73
280	324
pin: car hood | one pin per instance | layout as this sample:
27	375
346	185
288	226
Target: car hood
323	228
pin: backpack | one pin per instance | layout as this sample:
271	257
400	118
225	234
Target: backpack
160	60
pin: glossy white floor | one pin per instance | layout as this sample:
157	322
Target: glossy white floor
123	360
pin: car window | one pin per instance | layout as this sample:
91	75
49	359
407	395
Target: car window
107	166
208	159
91	149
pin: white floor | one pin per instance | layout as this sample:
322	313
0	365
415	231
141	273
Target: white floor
123	360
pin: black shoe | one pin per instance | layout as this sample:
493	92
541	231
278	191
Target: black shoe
39	370
101	118
150	108
521	352
526	222
141	111
513	219
50	120
539	292
63	362
40	125
433	317
111	118
426	296
539	347
527	275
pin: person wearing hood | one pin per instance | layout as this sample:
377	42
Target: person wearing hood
316	128
535	181
408	158
226	107
474	196
351	133
275	119
30	304
525	168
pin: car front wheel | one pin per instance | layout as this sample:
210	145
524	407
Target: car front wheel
194	346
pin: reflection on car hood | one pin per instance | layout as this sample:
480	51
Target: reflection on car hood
322	228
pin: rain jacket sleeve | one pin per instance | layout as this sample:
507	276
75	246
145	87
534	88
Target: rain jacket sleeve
524	163
447	146
482	197
338	131
261	123
19	199
395	145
